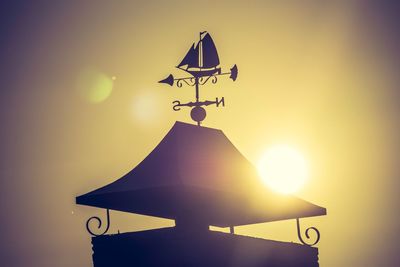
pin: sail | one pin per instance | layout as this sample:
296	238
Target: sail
209	52
192	58
209	56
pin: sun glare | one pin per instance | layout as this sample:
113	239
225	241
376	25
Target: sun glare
283	169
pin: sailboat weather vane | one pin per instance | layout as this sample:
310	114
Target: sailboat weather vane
202	63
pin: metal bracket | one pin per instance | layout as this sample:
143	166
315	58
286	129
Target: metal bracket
189	81
99	223
307	234
232	229
203	80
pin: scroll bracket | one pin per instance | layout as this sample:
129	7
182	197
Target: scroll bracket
307	234
99	224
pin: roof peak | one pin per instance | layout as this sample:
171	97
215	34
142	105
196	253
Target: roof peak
181	123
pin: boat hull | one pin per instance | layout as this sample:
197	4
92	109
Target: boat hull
204	73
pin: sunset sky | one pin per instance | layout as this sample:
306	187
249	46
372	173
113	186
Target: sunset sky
322	77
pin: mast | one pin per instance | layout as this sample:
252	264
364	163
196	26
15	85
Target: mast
200	52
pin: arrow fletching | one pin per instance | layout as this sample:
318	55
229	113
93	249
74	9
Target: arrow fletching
234	72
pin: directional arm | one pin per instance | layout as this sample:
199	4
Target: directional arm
217	102
203	79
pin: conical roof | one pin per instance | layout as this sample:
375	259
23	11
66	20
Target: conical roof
196	172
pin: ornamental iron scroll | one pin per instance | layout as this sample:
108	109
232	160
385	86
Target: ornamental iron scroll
99	224
189	81
307	234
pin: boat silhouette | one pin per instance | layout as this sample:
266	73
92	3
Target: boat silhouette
201	59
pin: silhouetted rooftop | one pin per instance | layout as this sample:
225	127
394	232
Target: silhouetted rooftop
171	247
196	173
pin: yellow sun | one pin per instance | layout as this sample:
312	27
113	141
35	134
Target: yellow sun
283	169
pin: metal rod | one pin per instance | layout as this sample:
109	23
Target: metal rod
200	52
213	75
197	89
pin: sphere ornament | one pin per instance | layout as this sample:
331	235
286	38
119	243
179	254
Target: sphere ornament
198	114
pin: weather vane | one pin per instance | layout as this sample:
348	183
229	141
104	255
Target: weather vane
202	62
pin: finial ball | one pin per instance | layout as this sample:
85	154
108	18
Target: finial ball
198	114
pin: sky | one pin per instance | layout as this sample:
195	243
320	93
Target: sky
80	106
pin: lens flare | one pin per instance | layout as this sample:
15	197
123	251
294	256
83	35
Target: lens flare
94	85
144	107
